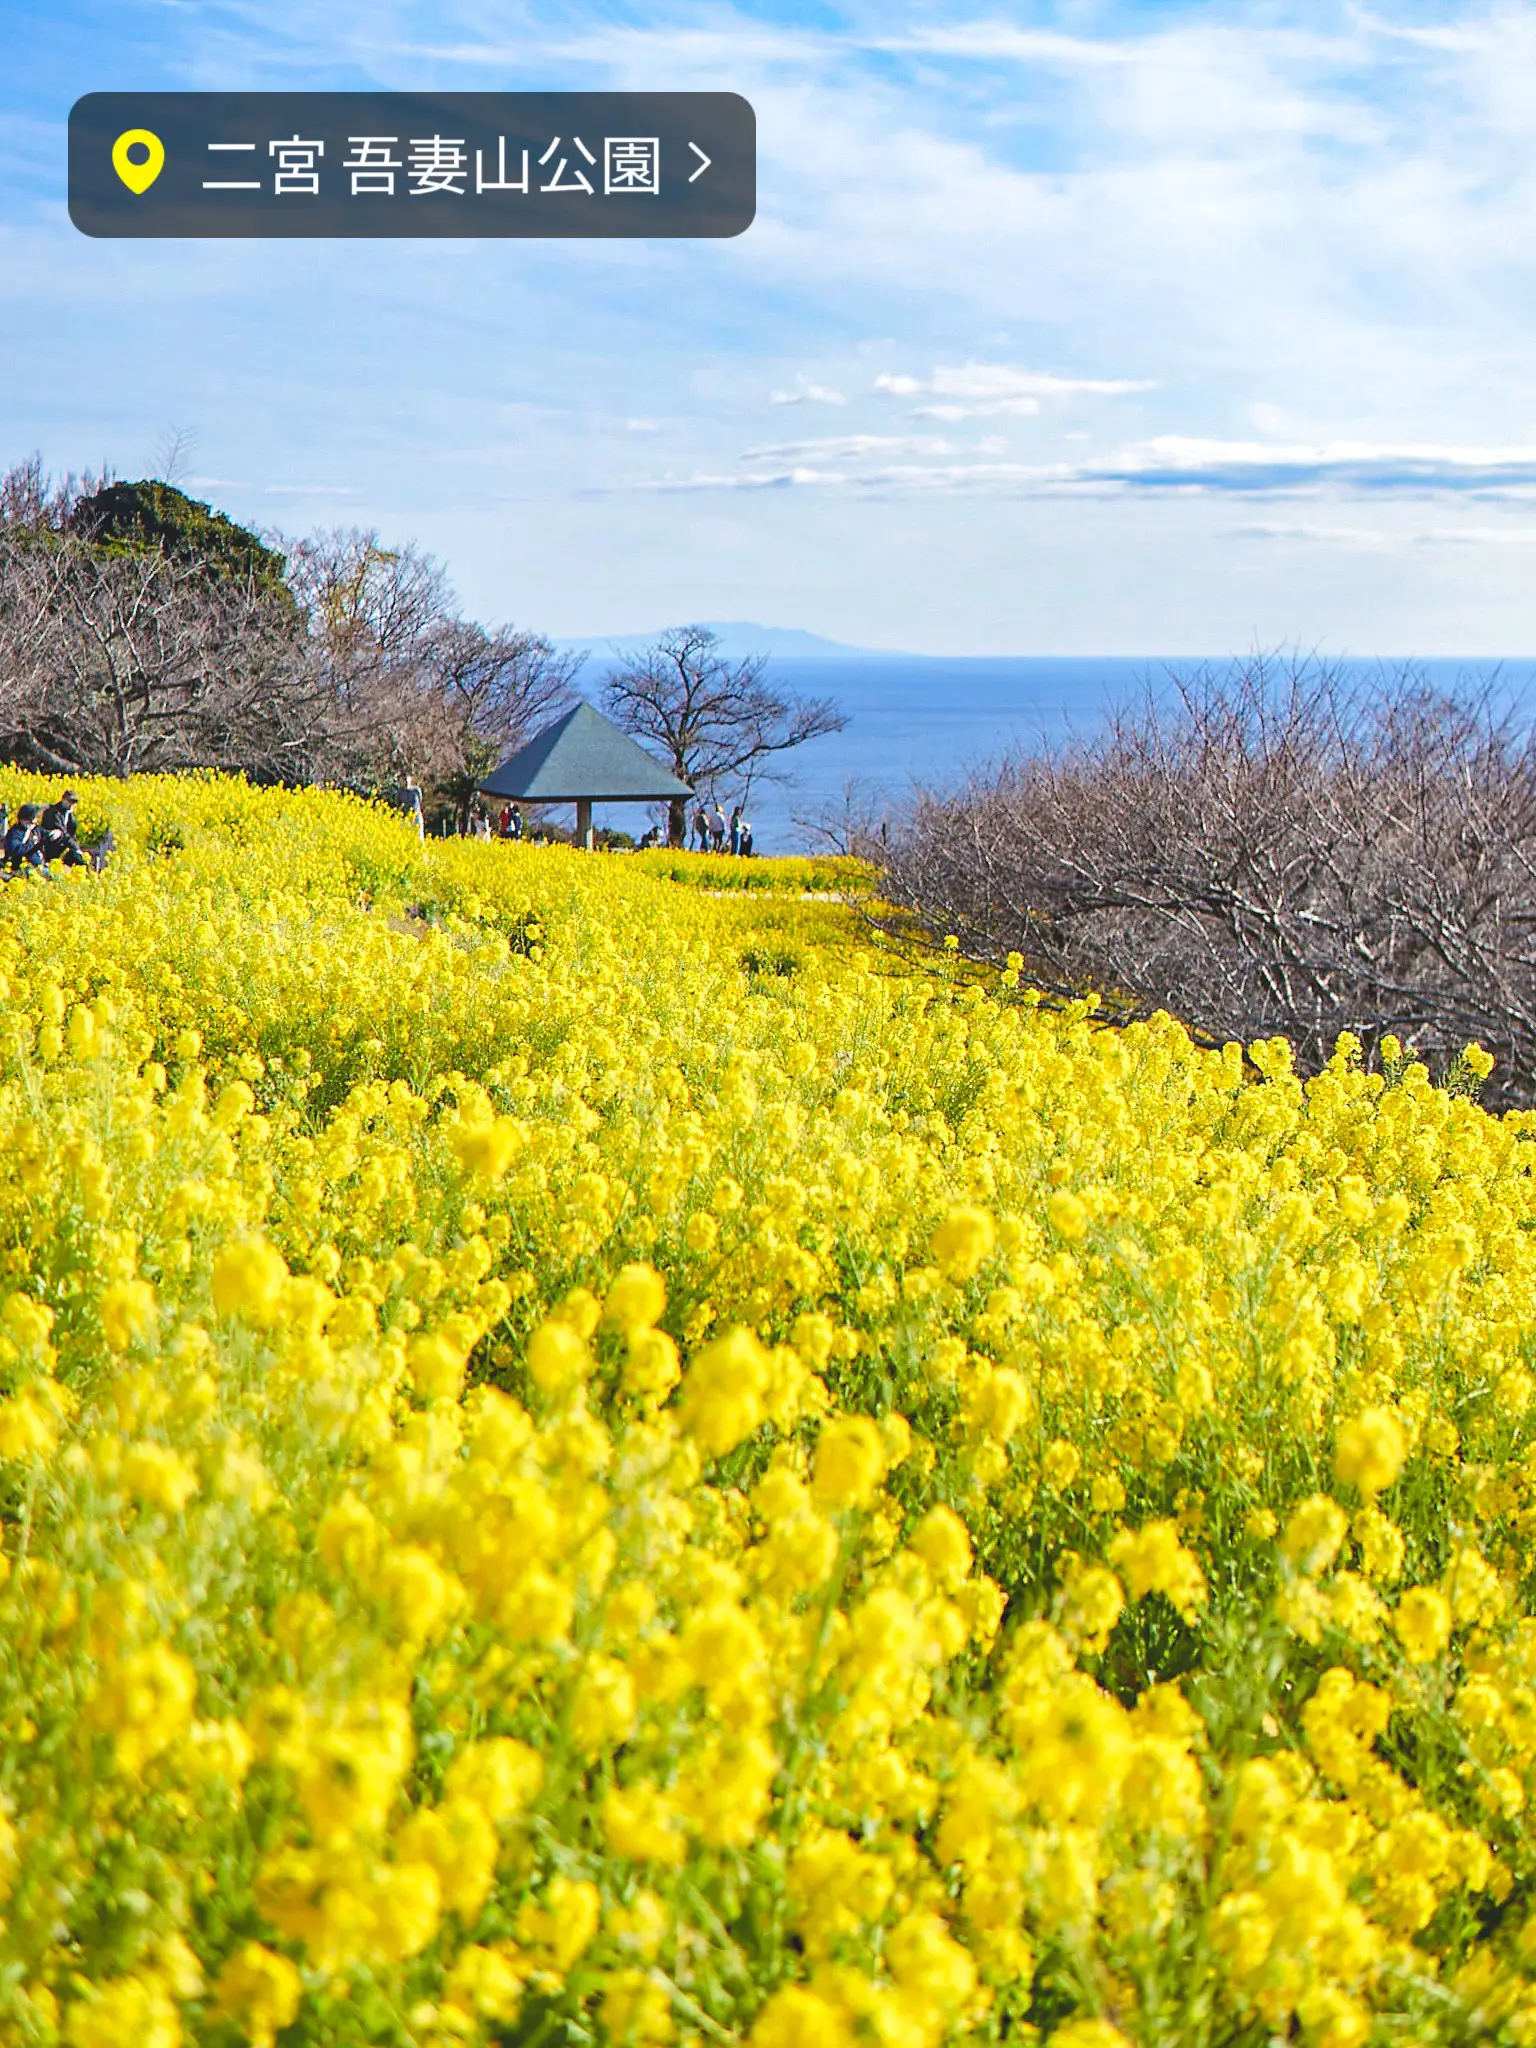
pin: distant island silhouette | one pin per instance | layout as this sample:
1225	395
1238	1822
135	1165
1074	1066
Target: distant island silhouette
738	637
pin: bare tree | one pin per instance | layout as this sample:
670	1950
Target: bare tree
31	501
371	608
852	824
497	687
1271	853
489	692
422	689
173	452
140	630
373	612
114	663
710	717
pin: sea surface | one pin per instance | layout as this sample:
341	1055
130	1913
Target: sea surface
925	721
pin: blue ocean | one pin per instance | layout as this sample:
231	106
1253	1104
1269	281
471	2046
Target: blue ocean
924	721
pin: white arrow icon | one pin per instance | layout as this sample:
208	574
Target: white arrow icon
704	162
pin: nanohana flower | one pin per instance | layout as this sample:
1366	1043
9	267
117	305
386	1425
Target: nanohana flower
606	1438
1422	1619
259	1991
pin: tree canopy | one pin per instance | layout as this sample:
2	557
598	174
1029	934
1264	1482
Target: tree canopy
154	514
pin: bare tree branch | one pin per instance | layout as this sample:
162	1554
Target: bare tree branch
710	718
1274	853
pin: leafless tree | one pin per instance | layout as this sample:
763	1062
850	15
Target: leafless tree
496	688
852	824
31	501
173	452
371	609
128	648
711	718
1265	853
117	663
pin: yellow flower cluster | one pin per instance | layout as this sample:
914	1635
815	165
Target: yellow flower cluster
588	1458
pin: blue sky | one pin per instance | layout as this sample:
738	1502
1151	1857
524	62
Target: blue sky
1068	328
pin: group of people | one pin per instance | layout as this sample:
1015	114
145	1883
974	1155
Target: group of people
479	824
712	833
41	834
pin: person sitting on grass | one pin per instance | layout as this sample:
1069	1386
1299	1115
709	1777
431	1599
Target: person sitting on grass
22	845
56	833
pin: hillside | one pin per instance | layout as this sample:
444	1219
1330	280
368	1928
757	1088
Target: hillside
584	1458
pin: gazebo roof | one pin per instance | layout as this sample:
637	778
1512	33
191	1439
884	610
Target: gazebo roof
583	756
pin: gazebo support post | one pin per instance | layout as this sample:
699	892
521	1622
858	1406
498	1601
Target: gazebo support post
584	822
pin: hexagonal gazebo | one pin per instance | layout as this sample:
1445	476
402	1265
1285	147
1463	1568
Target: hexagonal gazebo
584	759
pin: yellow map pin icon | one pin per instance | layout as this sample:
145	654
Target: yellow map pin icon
138	177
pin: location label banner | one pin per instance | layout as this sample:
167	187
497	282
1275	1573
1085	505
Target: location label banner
390	164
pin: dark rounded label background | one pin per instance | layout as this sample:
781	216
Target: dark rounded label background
686	127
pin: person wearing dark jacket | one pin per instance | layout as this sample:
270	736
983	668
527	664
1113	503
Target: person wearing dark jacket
22	847
56	832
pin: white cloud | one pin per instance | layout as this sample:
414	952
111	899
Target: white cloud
972	389
1360	539
1477	537
309	491
1165	465
1184	461
844	447
1386	540
996	41
1305	228
704	480
807	394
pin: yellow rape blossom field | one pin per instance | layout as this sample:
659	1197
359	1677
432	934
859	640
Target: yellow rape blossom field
591	1461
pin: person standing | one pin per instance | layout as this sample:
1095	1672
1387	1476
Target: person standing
701	828
515	822
504	822
746	836
736	829
717	829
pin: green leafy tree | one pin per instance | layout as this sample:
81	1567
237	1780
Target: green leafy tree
153	514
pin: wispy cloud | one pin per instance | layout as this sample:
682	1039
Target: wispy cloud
1168	464
1384	540
996	40
1179	462
850	447
1477	537
971	389
1140	271
309	491
808	394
